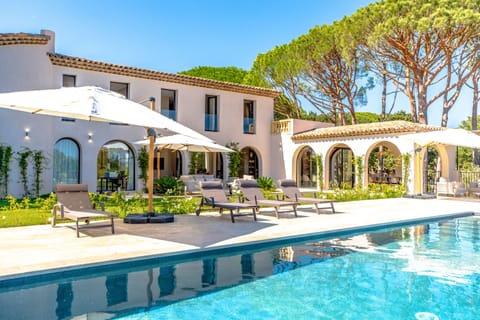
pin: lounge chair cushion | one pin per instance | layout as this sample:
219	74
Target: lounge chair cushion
73	202
214	195
253	194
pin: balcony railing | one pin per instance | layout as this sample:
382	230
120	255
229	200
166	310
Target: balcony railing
211	122
281	126
172	114
248	125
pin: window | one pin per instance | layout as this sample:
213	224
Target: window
248	117
116	164
66	162
69	80
120	88
168	104
211	113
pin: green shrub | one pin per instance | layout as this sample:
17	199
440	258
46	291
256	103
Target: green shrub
169	185
266	183
177	205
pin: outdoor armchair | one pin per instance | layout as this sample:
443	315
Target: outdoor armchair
73	202
254	195
291	191
214	196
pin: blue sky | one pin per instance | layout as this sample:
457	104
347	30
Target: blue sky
173	36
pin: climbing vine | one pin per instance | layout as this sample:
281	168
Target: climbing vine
22	158
5	158
405	170
319	163
143	164
234	159
359	169
39	165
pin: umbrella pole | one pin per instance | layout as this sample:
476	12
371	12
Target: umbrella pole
150	166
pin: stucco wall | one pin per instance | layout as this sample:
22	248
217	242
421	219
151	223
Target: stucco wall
28	67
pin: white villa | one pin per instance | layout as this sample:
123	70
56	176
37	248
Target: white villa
88	152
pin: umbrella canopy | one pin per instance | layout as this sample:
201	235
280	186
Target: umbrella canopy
181	142
93	104
96	104
454	137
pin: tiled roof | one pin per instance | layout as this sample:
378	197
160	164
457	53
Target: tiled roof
85	64
365	129
8	39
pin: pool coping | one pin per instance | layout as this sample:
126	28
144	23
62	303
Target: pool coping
27	279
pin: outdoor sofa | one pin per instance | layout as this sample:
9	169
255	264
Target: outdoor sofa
450	188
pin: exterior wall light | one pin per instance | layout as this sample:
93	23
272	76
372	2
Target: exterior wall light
90	140
27	134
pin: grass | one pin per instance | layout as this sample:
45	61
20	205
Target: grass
25	212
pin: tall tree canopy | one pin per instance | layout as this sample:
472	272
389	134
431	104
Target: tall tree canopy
280	69
227	74
335	79
434	42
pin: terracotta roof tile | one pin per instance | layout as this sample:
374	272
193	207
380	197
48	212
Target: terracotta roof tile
365	129
85	64
8	39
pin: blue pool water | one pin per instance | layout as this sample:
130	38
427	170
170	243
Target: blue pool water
429	271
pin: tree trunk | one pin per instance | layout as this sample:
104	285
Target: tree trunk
383	115
422	105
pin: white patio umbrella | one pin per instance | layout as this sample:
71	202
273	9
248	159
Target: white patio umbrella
96	104
180	142
93	104
453	137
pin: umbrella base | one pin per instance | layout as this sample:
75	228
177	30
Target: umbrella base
161	218
137	218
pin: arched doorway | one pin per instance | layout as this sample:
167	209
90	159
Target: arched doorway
342	172
306	168
248	163
384	164
116	167
66	162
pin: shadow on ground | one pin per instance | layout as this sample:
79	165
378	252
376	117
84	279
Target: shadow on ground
201	231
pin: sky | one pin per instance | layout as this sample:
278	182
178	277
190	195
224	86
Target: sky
173	36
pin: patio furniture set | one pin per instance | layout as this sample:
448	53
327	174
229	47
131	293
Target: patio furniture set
214	195
73	202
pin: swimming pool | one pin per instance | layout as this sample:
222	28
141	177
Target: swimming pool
429	271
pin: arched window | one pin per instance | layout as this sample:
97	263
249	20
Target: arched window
306	168
66	162
342	171
116	167
249	163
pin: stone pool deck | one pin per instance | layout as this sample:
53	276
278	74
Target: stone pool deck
38	249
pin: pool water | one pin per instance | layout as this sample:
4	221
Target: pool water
429	271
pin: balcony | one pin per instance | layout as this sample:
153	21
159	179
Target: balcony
172	114
249	125
211	122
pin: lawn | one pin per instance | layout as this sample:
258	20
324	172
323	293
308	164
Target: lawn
25	212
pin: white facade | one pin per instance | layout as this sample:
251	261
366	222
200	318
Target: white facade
29	62
271	148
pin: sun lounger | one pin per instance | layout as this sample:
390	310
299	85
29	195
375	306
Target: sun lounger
253	194
214	195
291	191
73	202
